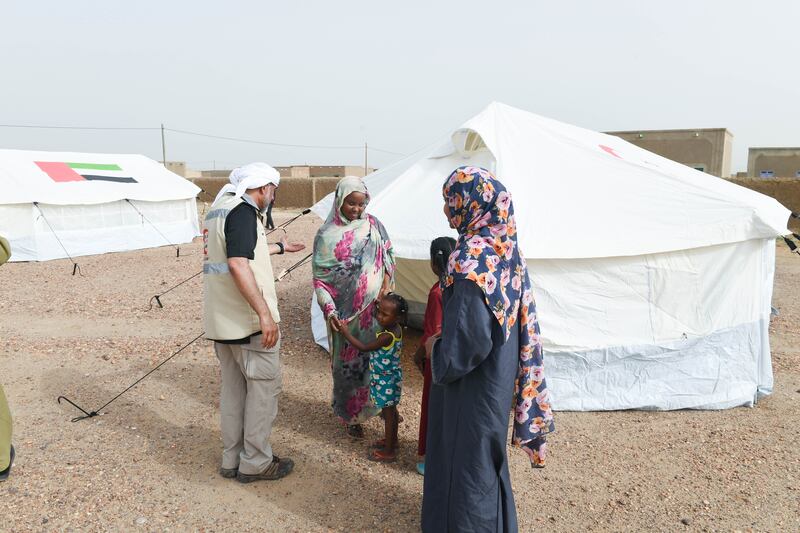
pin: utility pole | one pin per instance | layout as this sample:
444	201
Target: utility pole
163	148
365	158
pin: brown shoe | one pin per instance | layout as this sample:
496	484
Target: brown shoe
279	468
228	473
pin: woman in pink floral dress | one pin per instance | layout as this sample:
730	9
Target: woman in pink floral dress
353	266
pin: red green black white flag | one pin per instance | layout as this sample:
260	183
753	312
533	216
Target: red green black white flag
62	172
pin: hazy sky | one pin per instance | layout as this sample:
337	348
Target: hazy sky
397	76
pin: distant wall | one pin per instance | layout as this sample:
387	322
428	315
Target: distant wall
292	193
296	171
323	187
785	190
337	171
215	173
777	162
708	150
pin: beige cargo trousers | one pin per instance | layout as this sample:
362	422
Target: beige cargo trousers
251	383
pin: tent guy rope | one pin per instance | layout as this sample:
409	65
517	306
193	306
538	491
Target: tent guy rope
294	267
156	298
144	218
96	412
790	243
90	414
283	225
75	267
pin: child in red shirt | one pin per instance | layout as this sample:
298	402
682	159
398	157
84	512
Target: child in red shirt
441	248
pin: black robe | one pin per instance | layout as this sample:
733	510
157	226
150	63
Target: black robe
467	485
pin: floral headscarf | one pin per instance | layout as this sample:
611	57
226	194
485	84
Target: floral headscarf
350	257
487	254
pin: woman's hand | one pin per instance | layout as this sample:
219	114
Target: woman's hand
419	358
336	324
429	345
328	309
386	288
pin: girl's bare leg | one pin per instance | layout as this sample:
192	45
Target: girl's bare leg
390	429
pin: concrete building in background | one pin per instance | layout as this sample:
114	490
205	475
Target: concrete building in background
323	171
773	163
296	171
178	167
708	150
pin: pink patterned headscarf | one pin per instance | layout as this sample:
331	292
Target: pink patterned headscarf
350	257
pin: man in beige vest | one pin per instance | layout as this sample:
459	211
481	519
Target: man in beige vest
241	317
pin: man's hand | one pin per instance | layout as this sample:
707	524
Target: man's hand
270	333
292	246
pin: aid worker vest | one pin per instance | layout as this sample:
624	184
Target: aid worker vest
226	314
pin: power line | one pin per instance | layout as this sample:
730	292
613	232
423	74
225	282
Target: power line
70	127
271	143
252	141
386	151
198	134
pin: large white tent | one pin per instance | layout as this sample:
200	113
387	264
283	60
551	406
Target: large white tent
91	203
653	280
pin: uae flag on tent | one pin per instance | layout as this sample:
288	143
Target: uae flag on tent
61	172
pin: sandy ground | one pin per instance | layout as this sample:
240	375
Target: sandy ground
150	462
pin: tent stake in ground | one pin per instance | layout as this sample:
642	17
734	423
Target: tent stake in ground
144	218
75	267
97	412
157	297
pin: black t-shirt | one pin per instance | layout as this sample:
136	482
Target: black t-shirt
241	231
241	235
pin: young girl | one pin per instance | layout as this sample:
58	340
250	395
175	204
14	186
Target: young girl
441	248
386	376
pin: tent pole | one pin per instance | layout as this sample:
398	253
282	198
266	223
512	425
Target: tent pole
163	148
365	158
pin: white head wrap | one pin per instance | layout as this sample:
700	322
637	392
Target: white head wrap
251	176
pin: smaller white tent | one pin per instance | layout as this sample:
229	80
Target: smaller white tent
653	280
91	203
